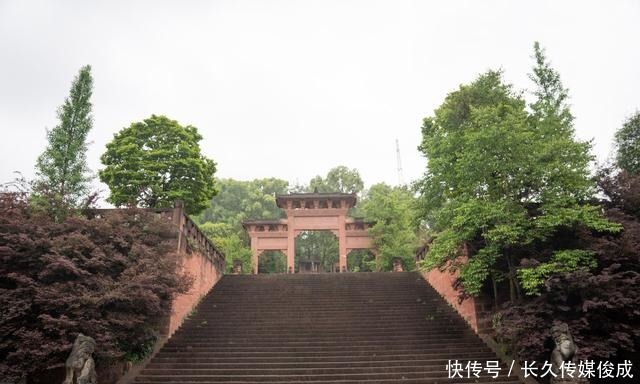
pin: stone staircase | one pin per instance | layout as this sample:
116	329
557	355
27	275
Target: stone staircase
324	328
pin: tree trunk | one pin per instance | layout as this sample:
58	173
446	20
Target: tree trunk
494	284
511	276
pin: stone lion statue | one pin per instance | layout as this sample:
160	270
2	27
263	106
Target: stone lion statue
565	350
80	365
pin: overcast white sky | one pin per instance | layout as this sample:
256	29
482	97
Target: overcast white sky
290	89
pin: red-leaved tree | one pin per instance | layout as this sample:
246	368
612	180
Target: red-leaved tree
111	278
601	306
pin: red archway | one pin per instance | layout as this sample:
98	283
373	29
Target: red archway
309	212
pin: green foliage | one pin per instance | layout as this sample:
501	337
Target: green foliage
226	237
627	141
317	246
443	250
390	208
155	162
550	106
554	216
502	179
339	179
142	352
532	279
238	201
361	260
62	167
272	262
479	268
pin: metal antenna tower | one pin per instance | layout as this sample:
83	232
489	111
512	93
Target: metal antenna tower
399	161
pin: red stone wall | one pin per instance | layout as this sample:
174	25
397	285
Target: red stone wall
443	283
205	275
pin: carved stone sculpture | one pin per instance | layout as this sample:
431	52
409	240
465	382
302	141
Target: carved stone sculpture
80	365
564	351
237	266
397	265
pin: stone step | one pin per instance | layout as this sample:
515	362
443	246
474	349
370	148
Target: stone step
310	357
315	378
340	328
189	364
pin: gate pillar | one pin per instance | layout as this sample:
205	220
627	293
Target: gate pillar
342	244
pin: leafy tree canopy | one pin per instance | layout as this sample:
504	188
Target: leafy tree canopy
627	141
240	200
155	162
339	179
62	167
500	178
391	209
226	237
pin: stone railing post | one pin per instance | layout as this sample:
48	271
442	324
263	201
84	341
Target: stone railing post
177	219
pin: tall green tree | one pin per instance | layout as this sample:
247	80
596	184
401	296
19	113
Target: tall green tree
62	168
390	208
566	159
505	181
627	141
550	107
155	162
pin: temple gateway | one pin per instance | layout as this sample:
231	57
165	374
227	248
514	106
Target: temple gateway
309	212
